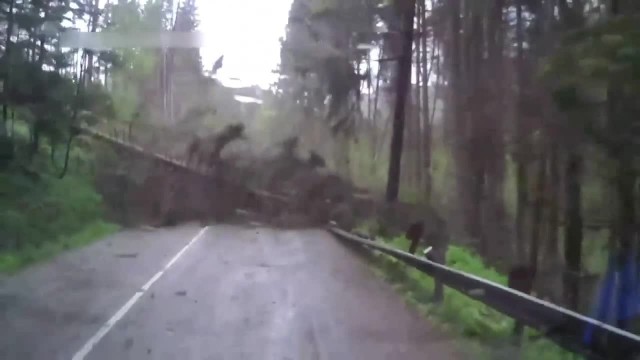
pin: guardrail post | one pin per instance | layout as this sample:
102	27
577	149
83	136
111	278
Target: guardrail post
521	278
438	256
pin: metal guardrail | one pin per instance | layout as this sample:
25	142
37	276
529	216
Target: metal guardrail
562	326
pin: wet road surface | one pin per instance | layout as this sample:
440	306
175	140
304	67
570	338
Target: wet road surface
221	292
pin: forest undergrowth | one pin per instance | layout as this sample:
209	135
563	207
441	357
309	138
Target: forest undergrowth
41	214
484	331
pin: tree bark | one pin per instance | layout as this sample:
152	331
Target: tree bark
625	177
521	170
7	78
377	138
572	17
35	140
480	150
417	134
95	9
494	209
625	187
403	81
426	114
369	86
573	229
52	153
538	208
13	123
551	257
454	107
553	196
67	153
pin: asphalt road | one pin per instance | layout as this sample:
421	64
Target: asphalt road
221	292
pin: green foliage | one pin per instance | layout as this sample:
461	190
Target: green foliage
442	174
125	15
40	215
125	96
366	170
153	15
51	103
605	52
598	65
595	251
368	227
48	206
186	17
95	104
371	172
319	56
135	66
566	97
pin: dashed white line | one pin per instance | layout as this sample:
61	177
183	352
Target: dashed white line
104	329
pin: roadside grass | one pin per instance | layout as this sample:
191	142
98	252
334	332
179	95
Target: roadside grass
13	261
487	333
42	215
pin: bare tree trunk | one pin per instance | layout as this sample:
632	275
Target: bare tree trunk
426	114
7	78
552	255
480	151
521	170
52	152
625	188
417	135
408	155
369	87
378	134
454	102
494	210
404	79
34	146
13	123
572	18
105	73
95	14
573	229
462	134
625	176
538	208
66	156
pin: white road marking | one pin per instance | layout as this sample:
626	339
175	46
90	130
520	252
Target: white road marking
93	341
155	277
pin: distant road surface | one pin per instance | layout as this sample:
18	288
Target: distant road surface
220	292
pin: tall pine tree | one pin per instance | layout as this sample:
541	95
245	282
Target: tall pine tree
184	66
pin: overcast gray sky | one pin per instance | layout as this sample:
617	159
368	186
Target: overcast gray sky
247	32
